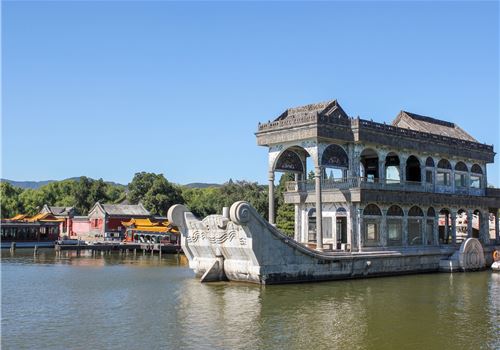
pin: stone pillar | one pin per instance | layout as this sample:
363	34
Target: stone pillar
381	171
296	235
436	229
484	228
470	215
359	230
453	227
402	169
383	229
446	227
424	230
405	228
497	228
319	214
271	197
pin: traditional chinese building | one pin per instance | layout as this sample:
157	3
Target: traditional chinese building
65	213
380	186
150	231
106	220
40	229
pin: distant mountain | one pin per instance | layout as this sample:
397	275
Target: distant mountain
37	184
28	184
201	185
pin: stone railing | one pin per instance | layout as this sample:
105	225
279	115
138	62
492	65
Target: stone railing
311	118
376	184
493	192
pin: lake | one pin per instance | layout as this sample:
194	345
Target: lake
112	301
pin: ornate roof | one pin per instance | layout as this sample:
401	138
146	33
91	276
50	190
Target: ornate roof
326	108
422	123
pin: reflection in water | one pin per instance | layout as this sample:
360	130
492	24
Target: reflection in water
126	301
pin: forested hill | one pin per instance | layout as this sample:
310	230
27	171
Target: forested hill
37	184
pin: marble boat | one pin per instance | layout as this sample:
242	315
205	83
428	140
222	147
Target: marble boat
370	199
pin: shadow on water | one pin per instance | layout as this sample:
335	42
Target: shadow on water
118	301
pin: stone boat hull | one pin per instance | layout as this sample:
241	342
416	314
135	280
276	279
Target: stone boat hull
245	247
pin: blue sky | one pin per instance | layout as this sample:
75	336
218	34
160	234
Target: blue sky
107	89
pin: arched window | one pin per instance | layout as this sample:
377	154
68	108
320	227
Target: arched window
415	211
372	209
443	173
413	173
289	161
392	168
394	222
415	225
429	162
429	226
475	176
369	165
431	212
371	225
476	169
460	175
444	164
334	156
460	166
395	210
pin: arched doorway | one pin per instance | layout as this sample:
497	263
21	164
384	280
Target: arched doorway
369	165
476	223
335	163
413	171
392	169
341	227
444	231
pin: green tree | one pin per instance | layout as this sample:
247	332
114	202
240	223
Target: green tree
285	213
9	199
81	193
97	192
154	192
33	200
201	201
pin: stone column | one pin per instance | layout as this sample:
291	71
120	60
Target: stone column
405	228
359	220
484	228
383	229
271	197
424	230
446	227
470	215
453	227
319	214
381	171
402	169
436	229
497	227
296	235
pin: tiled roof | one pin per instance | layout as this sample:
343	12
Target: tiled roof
422	123
125	209
60	210
322	108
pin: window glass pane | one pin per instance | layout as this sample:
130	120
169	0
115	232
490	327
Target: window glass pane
475	181
459	180
371	231
428	176
414	232
429	233
394	229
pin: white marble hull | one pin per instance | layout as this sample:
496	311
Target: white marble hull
246	248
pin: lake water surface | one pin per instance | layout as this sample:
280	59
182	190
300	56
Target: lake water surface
144	302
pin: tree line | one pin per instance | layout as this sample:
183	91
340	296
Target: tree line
154	191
